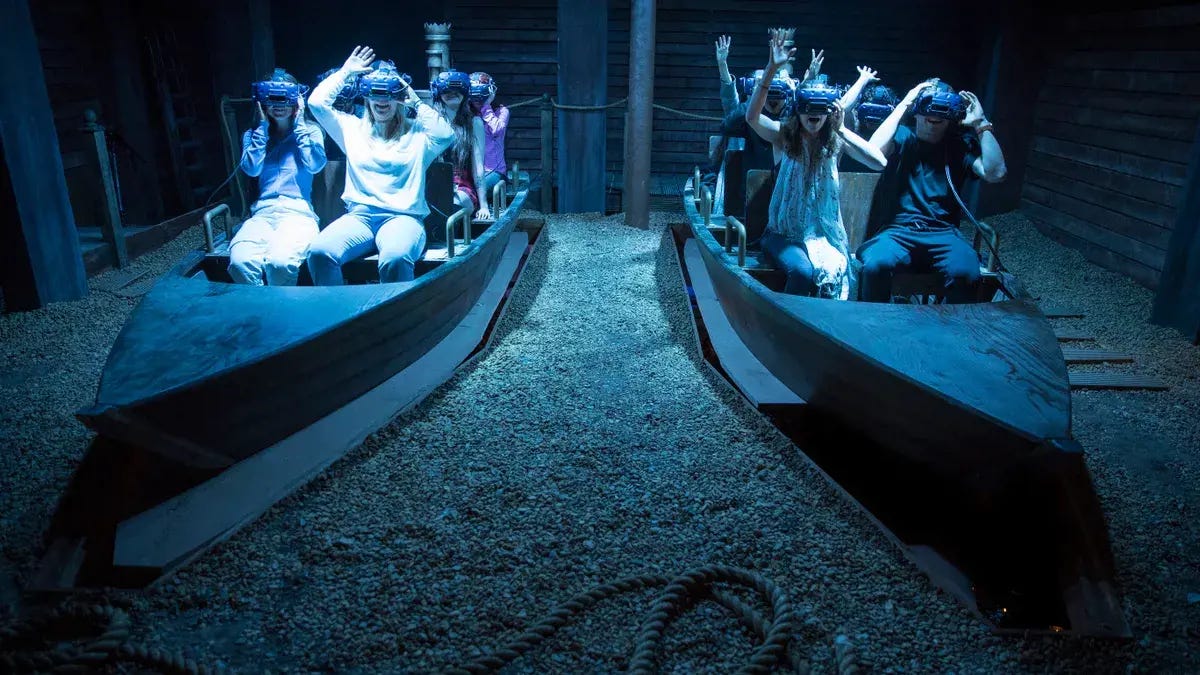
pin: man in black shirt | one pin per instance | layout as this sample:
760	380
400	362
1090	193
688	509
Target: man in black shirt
919	214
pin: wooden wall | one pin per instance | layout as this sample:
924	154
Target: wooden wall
1114	124
515	41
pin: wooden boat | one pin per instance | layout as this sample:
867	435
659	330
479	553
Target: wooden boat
209	372
975	396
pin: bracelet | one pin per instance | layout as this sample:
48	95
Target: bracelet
987	126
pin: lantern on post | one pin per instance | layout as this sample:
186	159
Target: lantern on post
437	53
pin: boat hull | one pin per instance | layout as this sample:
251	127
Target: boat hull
239	404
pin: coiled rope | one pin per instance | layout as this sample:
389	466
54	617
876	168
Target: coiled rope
27	646
773	629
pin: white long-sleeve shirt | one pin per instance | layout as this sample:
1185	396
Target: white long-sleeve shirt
385	175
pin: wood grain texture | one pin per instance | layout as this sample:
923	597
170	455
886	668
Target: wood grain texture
915	400
266	361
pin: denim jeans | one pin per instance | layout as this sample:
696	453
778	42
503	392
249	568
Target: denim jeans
399	239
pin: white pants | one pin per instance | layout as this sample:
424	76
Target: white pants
399	239
271	244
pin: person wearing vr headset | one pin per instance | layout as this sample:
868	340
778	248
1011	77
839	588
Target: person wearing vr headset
283	152
918	207
450	91
387	153
805	236
864	115
495	125
730	89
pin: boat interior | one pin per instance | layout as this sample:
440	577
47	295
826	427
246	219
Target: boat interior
735	210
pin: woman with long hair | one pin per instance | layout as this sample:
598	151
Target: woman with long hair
283	152
387	153
450	91
804	234
495	123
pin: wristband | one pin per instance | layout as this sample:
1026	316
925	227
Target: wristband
986	126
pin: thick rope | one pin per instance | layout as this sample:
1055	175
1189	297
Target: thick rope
694	116
588	108
680	593
535	99
34	636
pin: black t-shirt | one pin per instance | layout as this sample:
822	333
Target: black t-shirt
913	191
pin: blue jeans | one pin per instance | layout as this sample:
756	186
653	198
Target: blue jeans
793	259
399	239
901	248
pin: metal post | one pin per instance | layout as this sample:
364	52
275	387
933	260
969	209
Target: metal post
547	154
110	225
641	113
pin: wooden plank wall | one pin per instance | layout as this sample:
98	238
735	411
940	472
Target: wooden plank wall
74	68
906	44
1113	129
517	43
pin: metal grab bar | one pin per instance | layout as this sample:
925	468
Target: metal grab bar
706	204
209	215
731	223
461	214
499	199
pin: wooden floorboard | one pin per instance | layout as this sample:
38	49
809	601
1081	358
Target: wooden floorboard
1125	381
1068	335
1095	356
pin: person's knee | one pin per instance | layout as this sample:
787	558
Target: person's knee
963	269
877	266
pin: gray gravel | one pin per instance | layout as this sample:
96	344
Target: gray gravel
591	445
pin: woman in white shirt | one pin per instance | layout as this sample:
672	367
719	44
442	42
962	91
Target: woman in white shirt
387	154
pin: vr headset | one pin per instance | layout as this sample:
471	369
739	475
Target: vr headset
277	91
451	80
779	90
481	87
348	92
815	98
939	102
878	103
383	82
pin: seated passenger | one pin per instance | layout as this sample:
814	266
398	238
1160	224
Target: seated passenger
387	154
495	124
920	212
283	152
804	235
449	92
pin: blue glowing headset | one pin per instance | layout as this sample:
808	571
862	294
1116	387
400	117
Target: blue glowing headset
941	101
348	92
383	82
451	80
780	89
878	102
278	90
481	87
815	98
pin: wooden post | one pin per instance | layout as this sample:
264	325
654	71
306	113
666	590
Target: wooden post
547	155
641	113
262	39
582	81
1177	302
110	225
40	244
437	55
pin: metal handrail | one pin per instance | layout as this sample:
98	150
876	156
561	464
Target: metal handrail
731	223
499	199
209	215
461	214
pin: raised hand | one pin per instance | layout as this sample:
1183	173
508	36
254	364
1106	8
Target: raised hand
722	45
911	97
359	60
974	116
867	73
491	93
814	66
780	54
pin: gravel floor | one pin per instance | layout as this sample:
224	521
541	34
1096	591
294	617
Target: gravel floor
589	446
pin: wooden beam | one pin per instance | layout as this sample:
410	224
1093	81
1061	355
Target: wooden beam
42	260
641	114
1177	302
582	81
